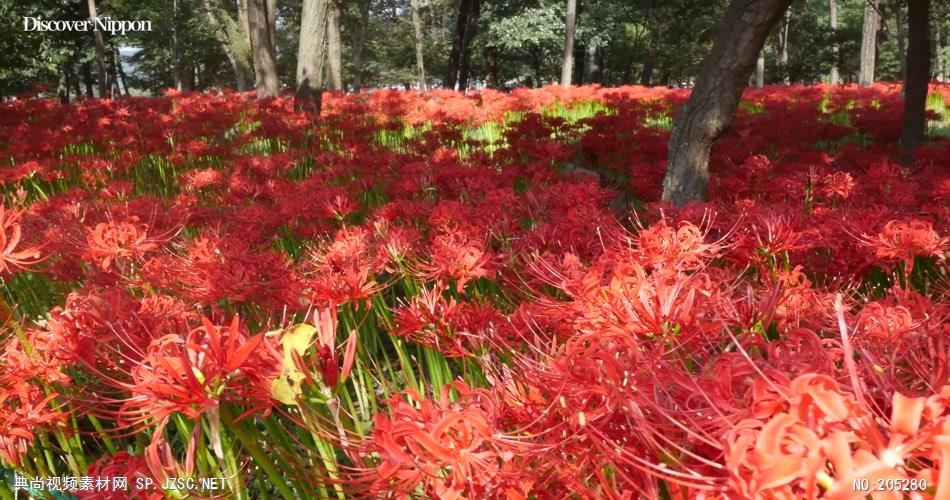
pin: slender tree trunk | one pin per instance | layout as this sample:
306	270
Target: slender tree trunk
491	66
100	53
74	82
420	59
712	104
567	59
87	80
458	38
833	13
232	37
359	44
592	64
938	45
311	53
265	59
334	47
783	47
760	70
121	72
918	77
272	24
649	63
471	29
62	88
901	33
872	22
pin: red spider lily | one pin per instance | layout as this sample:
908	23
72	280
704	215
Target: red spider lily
903	241
109	243
448	450
193	375
453	328
10	234
456	257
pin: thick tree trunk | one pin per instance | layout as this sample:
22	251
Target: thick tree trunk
471	29
311	53
918	77
760	70
567	59
458	39
834	79
872	22
420	59
262	52
334	47
359	44
712	104
232	37
104	89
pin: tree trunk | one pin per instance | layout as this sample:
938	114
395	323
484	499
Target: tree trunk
901	37
649	63
262	52
62	88
783	47
592	64
334	47
311	52
471	28
458	38
420	60
104	90
712	104
918	77
120	71
567	59
491	67
232	37
872	22
272	24
760	70
87	80
74	82
359	44
833	13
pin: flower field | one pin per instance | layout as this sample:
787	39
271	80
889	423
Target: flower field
474	296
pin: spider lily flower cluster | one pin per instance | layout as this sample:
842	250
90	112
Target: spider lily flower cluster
474	296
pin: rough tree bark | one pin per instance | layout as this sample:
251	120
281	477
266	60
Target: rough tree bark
567	59
918	77
311	52
458	39
712	104
872	23
105	91
262	52
834	79
232	37
334	47
417	28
